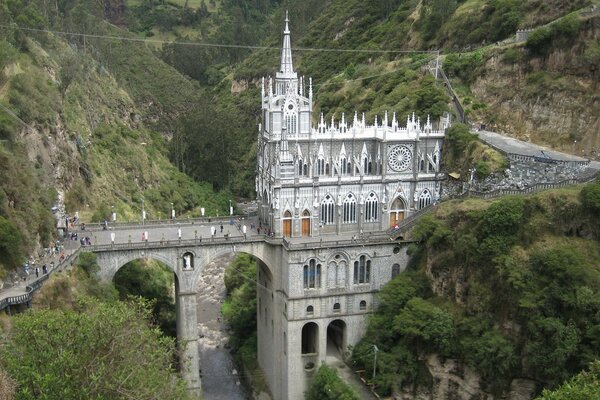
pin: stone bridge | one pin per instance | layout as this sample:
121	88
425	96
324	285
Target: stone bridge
313	294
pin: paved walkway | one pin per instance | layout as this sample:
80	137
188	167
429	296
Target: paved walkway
516	146
26	280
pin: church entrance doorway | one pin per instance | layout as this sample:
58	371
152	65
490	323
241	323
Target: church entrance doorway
287	224
305	223
397	212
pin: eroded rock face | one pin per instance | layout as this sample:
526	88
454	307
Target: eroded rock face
453	380
549	100
238	86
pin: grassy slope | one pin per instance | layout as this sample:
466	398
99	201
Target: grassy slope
99	112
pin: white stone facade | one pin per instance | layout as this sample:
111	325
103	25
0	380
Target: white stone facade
338	177
344	177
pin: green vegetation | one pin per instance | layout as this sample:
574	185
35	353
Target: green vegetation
327	385
239	310
558	34
152	281
585	385
528	304
25	216
463	151
97	350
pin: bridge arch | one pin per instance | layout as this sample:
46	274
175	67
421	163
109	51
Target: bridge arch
111	262
258	251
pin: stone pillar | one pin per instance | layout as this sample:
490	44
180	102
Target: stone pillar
187	339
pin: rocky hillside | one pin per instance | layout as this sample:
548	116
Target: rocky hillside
84	126
544	89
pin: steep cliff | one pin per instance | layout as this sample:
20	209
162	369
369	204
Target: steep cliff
546	95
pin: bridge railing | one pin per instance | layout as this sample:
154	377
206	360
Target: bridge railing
176	243
156	223
37	283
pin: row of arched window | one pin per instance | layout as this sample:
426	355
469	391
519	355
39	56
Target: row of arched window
362	306
349	215
322	168
312	272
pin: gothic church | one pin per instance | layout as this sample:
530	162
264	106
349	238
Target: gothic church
346	177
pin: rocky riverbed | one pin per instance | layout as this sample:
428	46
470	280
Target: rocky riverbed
220	380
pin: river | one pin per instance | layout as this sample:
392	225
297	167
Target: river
220	380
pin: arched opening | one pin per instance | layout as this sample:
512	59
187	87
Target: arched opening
287	224
306	223
363	305
371	208
336	339
187	261
152	280
327	210
246	317
310	338
424	199
395	270
337	308
349	209
397	211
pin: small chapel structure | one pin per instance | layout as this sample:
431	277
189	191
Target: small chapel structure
346	176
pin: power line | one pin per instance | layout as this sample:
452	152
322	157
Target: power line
218	45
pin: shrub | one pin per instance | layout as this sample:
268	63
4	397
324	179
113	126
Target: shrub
583	386
590	198
539	40
327	385
99	351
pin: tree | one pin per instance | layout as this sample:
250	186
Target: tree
590	197
327	385
428	326
583	386
97	351
10	244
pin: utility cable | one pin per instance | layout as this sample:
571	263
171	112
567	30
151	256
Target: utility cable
218	45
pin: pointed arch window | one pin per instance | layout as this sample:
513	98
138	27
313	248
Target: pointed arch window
349	209
312	275
291	123
321	166
327	210
343	166
362	270
424	199
371	208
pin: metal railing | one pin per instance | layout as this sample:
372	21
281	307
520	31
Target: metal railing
155	223
37	284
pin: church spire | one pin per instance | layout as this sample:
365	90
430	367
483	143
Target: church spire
287	66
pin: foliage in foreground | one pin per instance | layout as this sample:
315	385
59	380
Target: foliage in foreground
583	386
96	351
327	385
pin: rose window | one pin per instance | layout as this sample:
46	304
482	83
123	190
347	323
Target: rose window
399	158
